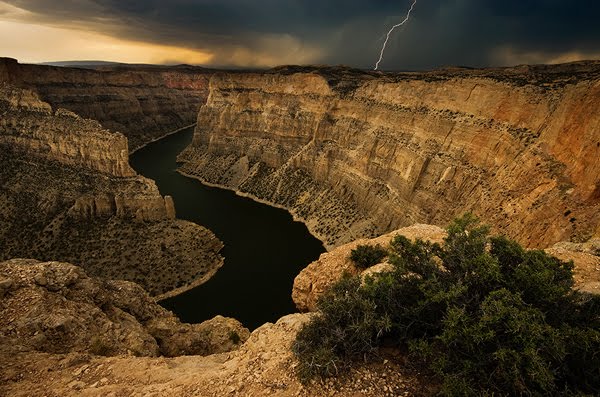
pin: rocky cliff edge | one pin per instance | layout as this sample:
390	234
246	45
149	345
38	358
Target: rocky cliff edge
57	326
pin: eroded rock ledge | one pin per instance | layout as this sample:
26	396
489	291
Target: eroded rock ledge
358	154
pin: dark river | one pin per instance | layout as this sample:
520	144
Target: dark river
264	247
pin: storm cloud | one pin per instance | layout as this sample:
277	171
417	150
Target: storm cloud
350	32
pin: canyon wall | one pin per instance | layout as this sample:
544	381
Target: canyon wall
357	154
68	193
31	129
142	102
30	125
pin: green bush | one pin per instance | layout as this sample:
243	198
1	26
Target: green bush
481	313
365	256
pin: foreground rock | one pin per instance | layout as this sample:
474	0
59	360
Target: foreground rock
359	154
263	366
55	307
68	193
318	276
586	257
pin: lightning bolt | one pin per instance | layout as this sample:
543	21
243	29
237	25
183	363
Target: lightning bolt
390	33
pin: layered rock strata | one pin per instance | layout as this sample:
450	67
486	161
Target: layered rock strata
144	103
68	193
356	154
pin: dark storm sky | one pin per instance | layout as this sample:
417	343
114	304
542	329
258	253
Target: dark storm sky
269	32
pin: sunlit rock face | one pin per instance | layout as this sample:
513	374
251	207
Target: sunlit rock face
358	154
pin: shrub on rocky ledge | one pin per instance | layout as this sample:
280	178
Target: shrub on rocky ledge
481	313
365	256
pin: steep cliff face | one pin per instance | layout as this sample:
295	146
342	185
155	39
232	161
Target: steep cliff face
31	126
358	154
143	103
67	193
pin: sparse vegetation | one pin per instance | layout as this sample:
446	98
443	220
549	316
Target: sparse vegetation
480	313
365	256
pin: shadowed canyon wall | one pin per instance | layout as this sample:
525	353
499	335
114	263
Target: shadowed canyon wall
357	154
142	102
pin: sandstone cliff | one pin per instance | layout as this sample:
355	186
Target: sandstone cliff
143	103
31	126
358	154
68	193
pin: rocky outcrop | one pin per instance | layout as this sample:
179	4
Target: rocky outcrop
68	193
142	102
263	366
358	154
586	257
154	208
56	308
321	274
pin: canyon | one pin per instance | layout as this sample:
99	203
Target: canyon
357	154
69	194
